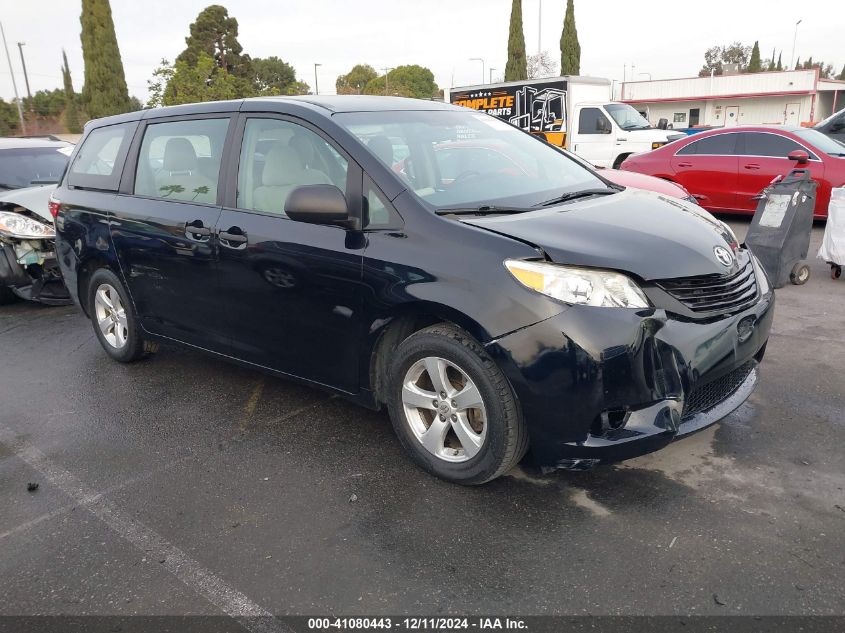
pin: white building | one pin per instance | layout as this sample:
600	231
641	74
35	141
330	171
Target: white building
795	97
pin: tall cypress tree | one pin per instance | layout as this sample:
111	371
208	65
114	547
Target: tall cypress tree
570	49
105	91
772	62
517	67
842	74
71	112
780	64
754	64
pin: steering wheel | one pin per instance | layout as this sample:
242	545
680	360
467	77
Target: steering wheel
464	175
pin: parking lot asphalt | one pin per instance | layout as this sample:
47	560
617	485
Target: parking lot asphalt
186	485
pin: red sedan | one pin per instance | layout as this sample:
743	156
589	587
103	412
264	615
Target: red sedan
726	169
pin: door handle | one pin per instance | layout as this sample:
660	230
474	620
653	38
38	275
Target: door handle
196	231
684	164
233	238
621	139
751	166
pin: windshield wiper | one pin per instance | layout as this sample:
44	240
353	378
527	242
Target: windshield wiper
574	195
484	209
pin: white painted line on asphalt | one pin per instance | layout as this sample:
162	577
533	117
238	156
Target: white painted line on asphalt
155	547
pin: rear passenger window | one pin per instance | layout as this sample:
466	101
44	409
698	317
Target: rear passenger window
276	157
180	160
716	145
99	161
773	145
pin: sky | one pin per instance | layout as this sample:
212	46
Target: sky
657	38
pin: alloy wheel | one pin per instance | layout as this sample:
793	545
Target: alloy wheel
444	409
111	316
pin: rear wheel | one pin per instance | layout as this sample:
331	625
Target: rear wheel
835	271
453	409
619	160
111	314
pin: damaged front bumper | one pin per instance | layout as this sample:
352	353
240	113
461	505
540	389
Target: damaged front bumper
30	270
603	385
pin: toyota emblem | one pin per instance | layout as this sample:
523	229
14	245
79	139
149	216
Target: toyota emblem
723	255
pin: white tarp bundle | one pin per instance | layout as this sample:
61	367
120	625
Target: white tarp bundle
833	243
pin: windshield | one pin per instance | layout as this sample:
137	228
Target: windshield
454	159
821	142
626	117
26	167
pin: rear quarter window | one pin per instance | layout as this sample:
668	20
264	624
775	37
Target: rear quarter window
99	161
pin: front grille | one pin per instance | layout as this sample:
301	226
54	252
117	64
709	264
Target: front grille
715	293
707	396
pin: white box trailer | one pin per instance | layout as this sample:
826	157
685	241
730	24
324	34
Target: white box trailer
576	113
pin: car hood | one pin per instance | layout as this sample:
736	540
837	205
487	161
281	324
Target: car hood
33	199
647	234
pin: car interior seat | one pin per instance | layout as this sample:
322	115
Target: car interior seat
180	177
283	172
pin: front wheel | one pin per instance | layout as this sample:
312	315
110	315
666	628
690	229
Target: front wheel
453	409
111	314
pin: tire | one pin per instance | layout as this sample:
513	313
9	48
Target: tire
471	444
119	335
7	296
800	274
619	160
835	271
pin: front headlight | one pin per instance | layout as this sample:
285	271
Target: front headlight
730	232
24	228
583	286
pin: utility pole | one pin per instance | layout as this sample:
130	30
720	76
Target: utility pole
23	64
14	84
386	71
794	39
316	85
539	30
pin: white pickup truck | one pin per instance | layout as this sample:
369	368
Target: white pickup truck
576	113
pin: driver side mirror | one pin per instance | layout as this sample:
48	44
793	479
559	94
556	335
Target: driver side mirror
320	204
799	156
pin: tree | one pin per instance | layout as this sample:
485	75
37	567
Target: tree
541	65
517	64
216	34
8	118
105	91
273	76
842	74
570	49
738	54
71	111
770	63
405	81
798	64
192	84
354	82
780	65
754	63
712	62
716	57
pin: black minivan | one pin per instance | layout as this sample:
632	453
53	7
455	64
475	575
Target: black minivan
496	296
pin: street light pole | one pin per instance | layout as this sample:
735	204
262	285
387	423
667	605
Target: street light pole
316	84
491	74
794	39
23	64
478	59
14	84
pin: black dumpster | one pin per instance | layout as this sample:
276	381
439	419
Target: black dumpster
779	234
